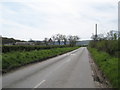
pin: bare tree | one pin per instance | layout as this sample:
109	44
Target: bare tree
59	38
46	41
101	37
76	38
64	39
73	40
112	35
93	37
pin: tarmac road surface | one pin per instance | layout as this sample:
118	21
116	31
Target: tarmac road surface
70	70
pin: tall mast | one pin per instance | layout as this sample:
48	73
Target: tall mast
96	31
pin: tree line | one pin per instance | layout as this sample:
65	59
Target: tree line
6	40
62	40
57	39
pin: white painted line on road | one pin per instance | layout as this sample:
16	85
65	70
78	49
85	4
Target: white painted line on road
73	54
39	84
67	54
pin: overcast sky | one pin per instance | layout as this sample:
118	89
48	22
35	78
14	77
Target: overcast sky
37	19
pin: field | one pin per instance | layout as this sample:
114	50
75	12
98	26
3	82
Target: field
14	59
108	65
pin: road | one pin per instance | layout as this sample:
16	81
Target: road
70	70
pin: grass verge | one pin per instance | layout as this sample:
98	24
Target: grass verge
108	65
12	60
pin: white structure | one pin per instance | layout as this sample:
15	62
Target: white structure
24	43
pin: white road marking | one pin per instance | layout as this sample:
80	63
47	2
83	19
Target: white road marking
39	84
68	54
51	73
73	54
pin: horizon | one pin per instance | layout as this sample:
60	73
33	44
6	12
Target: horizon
38	40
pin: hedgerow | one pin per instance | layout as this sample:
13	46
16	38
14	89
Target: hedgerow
16	59
6	49
109	46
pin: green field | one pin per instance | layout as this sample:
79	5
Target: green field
14	59
108	65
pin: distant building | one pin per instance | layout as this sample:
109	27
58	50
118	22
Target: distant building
24	43
9	44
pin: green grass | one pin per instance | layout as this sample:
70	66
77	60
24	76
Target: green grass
108	65
16	59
